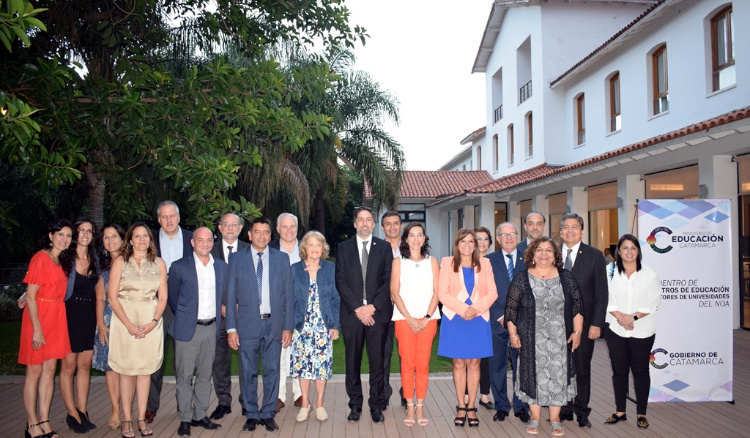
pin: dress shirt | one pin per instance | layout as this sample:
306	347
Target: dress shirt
359	245
171	248
265	306
639	293
294	255
513	256
206	288
225	248
573	253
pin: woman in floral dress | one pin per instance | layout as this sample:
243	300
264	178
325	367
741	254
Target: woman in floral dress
316	321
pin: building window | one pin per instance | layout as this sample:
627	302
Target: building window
615	120
463	167
580	120
511	145
659	80
497	96
529	135
479	157
523	70
495	153
722	49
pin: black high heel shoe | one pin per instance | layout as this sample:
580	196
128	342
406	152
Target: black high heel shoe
85	420
473	422
459	420
29	426
75	425
49	434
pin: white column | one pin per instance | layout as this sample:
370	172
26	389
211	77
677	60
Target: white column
630	188
578	201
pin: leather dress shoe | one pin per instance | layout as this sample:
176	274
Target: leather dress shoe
206	424
566	417
270	424
298	402
489	405
523	415
279	404
499	416
583	421
150	415
250	424
353	415
377	416
220	412
184	429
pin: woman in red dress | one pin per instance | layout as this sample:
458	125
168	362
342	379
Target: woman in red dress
44	327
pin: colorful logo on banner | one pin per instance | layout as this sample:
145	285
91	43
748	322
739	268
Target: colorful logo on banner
651	240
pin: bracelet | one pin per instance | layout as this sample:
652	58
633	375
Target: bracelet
513	335
577	333
156	321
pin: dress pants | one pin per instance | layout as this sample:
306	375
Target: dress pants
387	361
628	354
286	356
222	369
582	357
498	364
250	352
195	355
357	336
154	393
415	350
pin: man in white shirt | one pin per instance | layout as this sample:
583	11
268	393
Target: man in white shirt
195	284
287	226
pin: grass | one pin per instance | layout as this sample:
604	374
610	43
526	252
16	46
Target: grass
12	332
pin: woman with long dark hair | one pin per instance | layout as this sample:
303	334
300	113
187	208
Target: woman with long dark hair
110	245
44	327
634	297
80	263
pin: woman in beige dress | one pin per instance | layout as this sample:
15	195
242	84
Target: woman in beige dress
138	296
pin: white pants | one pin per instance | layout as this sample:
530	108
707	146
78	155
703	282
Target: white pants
286	360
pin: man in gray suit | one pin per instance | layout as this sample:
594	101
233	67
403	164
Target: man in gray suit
259	281
230	227
195	285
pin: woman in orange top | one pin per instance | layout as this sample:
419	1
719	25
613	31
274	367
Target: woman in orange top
44	327
467	290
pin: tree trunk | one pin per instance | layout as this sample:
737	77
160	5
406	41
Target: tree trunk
97	190
319	211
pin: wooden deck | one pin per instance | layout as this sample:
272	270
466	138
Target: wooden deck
667	419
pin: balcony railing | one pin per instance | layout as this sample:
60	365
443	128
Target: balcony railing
498	114
661	104
525	92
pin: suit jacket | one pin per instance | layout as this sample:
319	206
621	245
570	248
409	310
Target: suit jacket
242	288
218	252
182	296
453	294
349	281
502	282
328	296
187	248
590	272
521	247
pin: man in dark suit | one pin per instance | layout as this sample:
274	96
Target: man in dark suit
363	276
195	284
534	226
259	280
172	243
587	265
230	227
505	263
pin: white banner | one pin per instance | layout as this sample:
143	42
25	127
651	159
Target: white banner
688	243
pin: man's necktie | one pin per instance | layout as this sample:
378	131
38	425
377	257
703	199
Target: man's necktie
229	248
259	277
568	261
365	255
511	270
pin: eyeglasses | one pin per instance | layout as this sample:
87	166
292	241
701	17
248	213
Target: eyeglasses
229	224
506	235
483	239
85	231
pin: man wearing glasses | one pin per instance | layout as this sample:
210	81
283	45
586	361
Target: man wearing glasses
505	264
230	227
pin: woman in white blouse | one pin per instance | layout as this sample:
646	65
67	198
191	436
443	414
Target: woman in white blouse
414	291
634	297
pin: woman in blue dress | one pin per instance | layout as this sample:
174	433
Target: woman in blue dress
316	321
109	249
467	290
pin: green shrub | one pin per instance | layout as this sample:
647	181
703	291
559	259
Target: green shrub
9	310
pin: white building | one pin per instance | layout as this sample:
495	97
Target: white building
592	105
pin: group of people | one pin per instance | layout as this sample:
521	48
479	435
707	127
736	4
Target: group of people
110	299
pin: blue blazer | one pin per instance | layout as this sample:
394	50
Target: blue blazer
502	281
242	288
182	296
330	301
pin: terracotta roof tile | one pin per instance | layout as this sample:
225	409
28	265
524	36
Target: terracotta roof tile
544	171
436	183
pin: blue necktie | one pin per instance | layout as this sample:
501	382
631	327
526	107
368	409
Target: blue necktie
259	277
511	270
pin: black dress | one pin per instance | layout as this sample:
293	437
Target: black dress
81	312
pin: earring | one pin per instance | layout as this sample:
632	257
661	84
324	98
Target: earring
106	252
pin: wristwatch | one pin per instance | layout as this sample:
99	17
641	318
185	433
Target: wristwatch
635	317
428	316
